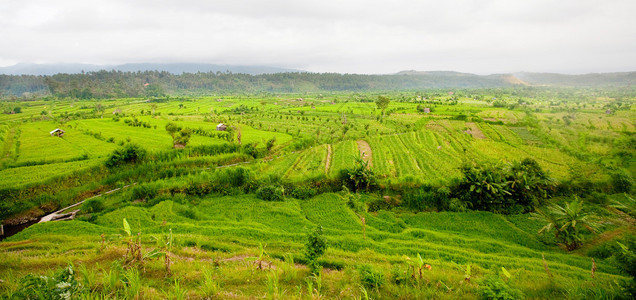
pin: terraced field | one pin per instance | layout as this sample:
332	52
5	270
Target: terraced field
484	240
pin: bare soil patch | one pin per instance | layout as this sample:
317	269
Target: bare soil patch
474	130
365	151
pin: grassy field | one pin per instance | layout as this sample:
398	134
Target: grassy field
228	242
223	231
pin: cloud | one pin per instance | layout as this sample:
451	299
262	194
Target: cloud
327	36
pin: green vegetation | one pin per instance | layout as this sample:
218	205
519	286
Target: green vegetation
326	194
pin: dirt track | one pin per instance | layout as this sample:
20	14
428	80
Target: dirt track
365	151
328	162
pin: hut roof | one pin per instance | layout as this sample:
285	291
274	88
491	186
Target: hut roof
56	130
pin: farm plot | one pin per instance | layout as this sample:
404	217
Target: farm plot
14	177
310	163
330	211
36	144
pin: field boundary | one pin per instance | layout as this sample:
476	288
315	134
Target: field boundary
328	161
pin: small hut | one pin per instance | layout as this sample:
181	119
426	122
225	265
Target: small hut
608	112
427	110
221	127
57	132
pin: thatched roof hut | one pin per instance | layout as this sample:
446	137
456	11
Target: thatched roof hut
57	132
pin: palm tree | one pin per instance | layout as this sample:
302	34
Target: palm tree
566	221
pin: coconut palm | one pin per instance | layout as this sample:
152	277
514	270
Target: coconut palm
566	221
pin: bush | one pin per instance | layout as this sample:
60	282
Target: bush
302	192
94	205
145	192
495	288
315	247
270	193
62	285
131	153
622	182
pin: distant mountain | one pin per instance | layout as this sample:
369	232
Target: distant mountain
174	68
127	81
583	80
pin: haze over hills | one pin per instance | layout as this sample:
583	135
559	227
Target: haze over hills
174	68
129	80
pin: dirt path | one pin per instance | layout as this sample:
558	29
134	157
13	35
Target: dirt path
365	151
328	162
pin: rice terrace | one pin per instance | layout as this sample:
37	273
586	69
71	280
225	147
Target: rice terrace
317	149
309	186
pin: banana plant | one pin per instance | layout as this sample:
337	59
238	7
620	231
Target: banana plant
259	258
418	265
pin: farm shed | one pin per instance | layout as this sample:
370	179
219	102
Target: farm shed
221	127
427	110
57	132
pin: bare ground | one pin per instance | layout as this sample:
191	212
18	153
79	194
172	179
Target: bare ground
365	151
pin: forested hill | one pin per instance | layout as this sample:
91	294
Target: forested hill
113	84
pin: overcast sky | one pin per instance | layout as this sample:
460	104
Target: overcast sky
368	36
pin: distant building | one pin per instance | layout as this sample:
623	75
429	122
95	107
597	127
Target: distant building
427	110
221	127
57	132
609	111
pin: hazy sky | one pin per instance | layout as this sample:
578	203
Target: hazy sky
482	36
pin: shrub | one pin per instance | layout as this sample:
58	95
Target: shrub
302	192
62	285
145	192
270	193
495	288
622	182
93	205
315	247
131	153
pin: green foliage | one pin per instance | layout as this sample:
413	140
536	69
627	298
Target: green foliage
622	181
62	285
382	103
270	144
94	205
626	256
495	288
511	188
270	193
315	247
566	221
302	192
359	176
371	278
131	153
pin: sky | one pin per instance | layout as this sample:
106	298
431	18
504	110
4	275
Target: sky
369	36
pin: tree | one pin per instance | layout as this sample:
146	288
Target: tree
172	129
182	138
131	153
314	248
382	103
566	222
